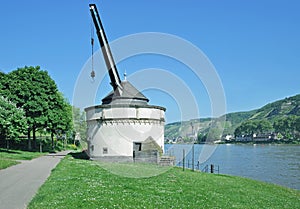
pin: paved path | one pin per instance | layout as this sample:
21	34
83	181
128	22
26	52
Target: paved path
19	183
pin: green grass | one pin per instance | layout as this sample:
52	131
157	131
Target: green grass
5	163
18	154
10	157
76	183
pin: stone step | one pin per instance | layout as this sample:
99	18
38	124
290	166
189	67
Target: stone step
167	161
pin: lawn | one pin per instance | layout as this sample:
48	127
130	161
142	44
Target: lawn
5	163
77	183
10	157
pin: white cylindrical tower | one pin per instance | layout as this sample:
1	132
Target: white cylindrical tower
125	127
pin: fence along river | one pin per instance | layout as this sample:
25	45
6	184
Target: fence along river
278	164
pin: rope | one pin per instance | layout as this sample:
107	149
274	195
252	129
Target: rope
92	43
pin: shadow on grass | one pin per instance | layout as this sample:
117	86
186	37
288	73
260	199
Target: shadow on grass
80	155
9	151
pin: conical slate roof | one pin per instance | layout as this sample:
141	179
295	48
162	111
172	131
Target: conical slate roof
129	95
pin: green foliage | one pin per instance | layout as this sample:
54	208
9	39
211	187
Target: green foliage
33	91
215	131
201	138
278	109
250	127
12	119
264	126
79	123
262	120
60	116
173	129
78	183
288	127
239	117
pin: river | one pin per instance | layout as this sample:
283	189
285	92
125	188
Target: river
278	164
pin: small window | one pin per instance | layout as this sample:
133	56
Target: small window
105	150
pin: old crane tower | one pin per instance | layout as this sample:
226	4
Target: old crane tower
124	127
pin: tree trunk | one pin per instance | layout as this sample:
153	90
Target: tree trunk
34	137
52	140
7	144
29	140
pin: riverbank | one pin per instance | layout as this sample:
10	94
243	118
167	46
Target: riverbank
278	164
77	183
291	142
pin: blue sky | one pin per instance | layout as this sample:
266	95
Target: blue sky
254	45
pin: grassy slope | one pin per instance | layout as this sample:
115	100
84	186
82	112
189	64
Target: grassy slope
84	184
9	157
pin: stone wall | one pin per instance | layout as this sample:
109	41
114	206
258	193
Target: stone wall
148	156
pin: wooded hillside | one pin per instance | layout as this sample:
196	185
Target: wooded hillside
276	112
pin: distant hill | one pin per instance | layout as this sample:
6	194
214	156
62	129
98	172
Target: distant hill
272	111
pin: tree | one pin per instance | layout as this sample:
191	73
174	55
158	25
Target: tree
263	126
287	126
79	121
214	134
238	131
297	127
246	128
33	90
3	77
12	120
253	126
201	138
59	117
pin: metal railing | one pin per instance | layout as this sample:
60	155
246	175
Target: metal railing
188	164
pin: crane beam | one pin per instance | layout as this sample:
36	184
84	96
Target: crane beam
109	60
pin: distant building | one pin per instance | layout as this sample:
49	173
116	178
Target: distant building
262	137
227	137
243	138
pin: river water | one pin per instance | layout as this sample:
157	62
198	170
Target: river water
278	164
